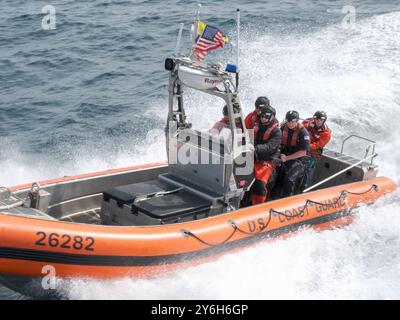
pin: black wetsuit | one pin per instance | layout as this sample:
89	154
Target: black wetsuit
293	170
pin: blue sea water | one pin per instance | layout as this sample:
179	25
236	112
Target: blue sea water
89	95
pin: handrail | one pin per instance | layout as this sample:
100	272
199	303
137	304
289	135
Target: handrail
340	172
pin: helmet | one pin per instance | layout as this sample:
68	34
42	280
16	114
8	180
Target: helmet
262	101
268	111
292	115
320	115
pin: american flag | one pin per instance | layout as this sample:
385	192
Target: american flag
211	39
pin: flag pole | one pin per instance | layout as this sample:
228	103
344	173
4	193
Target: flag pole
178	42
237	47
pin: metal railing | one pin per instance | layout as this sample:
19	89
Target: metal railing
367	151
366	157
372	156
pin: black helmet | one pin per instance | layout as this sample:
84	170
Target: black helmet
292	115
320	115
262	101
267	111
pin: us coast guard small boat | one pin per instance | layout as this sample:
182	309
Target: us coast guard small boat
142	221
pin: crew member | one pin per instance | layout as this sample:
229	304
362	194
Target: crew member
294	146
252	120
266	153
221	124
320	135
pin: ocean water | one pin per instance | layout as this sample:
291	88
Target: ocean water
92	95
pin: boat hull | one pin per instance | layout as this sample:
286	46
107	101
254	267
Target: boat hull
30	246
27	244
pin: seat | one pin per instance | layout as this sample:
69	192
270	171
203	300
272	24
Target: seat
177	204
129	193
153	202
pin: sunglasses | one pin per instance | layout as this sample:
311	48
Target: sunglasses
267	116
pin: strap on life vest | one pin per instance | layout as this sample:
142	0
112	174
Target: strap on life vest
295	136
268	132
254	119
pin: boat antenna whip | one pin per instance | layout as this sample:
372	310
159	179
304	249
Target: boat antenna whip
237	47
195	26
178	41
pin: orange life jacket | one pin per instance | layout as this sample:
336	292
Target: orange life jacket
295	135
315	133
268	132
319	137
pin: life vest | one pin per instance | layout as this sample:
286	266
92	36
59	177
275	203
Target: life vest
256	127
321	135
295	135
264	169
268	132
315	133
252	121
264	137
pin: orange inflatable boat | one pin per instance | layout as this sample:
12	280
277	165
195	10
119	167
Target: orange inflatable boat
145	220
30	241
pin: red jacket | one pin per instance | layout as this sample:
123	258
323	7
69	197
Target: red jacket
219	125
319	138
251	120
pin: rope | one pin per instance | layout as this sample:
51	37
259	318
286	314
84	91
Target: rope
343	194
188	233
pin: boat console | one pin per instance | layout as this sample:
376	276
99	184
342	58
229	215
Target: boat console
207	174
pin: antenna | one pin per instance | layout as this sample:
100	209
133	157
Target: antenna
238	35
237	47
195	26
178	41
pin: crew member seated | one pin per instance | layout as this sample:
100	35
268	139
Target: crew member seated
221	124
252	120
294	147
224	123
320	135
266	153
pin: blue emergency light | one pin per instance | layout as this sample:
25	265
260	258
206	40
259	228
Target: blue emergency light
231	68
